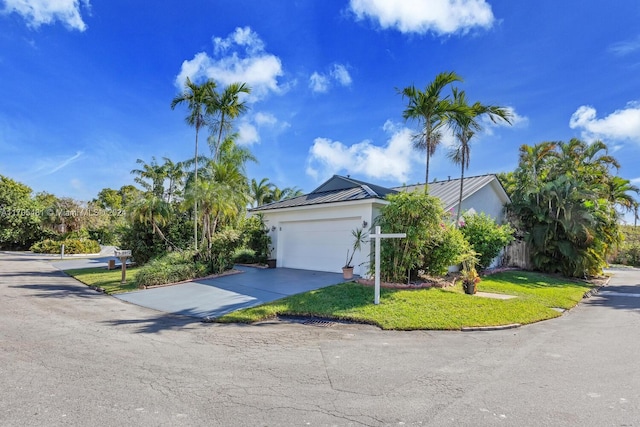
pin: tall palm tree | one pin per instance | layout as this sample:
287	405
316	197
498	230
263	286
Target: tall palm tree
198	99
226	106
466	122
431	111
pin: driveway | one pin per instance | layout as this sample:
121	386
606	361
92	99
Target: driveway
222	295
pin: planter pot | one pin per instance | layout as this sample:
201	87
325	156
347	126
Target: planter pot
271	263
347	273
469	288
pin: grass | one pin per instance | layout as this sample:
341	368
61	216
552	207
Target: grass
429	308
109	280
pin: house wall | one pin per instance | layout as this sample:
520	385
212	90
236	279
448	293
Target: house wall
486	200
324	216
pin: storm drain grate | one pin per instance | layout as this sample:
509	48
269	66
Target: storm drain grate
318	322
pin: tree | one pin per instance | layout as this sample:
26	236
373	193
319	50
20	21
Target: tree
198	99
431	111
226	107
566	205
151	177
20	215
174	173
260	191
465	121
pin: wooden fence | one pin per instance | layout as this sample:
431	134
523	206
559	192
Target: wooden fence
518	254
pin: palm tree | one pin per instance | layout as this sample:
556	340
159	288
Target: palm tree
198	99
432	113
465	120
226	106
260	191
152	210
151	177
175	174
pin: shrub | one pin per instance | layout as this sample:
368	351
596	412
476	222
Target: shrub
447	250
255	237
430	245
628	252
244	256
223	246
170	268
486	237
71	246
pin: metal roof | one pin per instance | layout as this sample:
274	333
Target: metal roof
449	191
342	189
336	189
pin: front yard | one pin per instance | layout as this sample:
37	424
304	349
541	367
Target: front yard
449	308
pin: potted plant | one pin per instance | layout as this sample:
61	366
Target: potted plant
469	274
359	236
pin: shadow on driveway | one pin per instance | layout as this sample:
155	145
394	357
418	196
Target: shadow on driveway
219	296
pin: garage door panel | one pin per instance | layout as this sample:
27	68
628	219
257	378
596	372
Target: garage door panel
317	245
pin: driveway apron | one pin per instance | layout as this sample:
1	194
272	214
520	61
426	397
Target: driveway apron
221	295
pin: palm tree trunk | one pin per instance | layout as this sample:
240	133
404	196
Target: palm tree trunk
426	176
195	199
461	188
217	147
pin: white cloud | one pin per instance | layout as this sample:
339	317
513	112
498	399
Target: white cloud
517	121
247	134
318	83
419	16
392	161
240	57
39	12
341	75
321	82
251	125
625	47
623	124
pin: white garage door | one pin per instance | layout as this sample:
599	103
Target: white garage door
317	245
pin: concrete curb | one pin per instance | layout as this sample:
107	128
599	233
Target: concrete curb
490	328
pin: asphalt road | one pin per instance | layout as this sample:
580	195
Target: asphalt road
70	356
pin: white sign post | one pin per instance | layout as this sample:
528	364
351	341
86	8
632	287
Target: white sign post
377	236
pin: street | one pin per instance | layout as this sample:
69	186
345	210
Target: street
74	357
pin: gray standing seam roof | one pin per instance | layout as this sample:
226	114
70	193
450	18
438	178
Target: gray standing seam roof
449	191
336	189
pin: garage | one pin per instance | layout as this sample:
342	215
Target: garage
317	245
313	231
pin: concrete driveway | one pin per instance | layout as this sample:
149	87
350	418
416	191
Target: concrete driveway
222	295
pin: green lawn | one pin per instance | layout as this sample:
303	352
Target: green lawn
449	308
430	308
109	280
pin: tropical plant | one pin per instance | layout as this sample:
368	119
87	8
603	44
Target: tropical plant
226	107
486	237
198	99
151	177
359	239
260	191
465	121
431	111
566	208
430	243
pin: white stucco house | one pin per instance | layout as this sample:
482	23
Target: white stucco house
313	231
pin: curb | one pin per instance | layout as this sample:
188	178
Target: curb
490	328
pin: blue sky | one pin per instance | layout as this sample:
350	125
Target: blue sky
86	85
